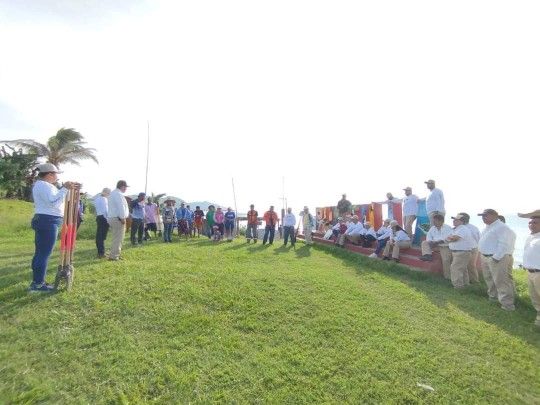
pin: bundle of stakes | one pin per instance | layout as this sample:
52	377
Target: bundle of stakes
66	271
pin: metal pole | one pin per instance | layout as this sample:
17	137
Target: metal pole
235	208
147	155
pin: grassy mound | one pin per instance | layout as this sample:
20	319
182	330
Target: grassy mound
199	322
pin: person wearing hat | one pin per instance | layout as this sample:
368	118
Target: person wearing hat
344	206
48	217
475	232
531	260
460	243
496	246
353	233
101	204
169	219
117	215
436	241
398	240
368	235
308	225
137	218
434	201
383	235
410	210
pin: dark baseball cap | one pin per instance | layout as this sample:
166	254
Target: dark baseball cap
489	211
121	183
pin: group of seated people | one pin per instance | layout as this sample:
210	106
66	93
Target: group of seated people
388	239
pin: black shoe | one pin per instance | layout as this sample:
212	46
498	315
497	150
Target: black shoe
426	258
396	260
386	258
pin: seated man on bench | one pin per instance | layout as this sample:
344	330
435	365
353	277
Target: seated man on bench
368	235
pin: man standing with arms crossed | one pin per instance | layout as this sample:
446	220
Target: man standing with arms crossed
496	245
118	212
531	260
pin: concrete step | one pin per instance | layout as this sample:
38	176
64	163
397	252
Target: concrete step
408	257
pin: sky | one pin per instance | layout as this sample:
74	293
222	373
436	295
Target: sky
307	99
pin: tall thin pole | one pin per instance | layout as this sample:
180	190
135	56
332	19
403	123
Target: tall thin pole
147	155
235	208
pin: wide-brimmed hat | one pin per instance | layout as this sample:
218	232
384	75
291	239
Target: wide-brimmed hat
47	168
534	214
459	217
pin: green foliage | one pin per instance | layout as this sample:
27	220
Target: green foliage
16	173
67	146
203	322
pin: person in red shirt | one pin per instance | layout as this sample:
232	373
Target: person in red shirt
271	219
252	223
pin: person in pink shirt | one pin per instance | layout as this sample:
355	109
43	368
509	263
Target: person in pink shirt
151	212
219	219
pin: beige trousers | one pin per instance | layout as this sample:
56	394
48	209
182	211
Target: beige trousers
307	236
458	269
446	256
396	246
472	271
499	280
408	221
534	292
118	231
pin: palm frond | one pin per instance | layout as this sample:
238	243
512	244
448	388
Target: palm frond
30	146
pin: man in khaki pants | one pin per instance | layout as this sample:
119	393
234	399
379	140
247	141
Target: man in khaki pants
496	246
118	212
472	268
436	241
531	260
410	210
460	244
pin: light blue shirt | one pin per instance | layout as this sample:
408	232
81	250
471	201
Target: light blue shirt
48	199
102	205
289	220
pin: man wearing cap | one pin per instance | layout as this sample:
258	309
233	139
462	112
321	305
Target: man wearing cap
118	213
436	241
137	217
308	224
472	269
353	233
531	260
496	245
102	226
410	210
460	244
344	206
434	201
48	217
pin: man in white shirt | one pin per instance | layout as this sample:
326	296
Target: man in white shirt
496	246
308	225
102	226
289	222
436	241
118	213
434	201
475	232
410	210
398	240
460	244
531	260
368	235
354	231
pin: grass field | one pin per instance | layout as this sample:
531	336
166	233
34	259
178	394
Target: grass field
200	322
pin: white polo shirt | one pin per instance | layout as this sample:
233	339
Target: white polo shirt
465	241
531	254
48	200
102	205
434	234
497	239
410	205
435	201
355	229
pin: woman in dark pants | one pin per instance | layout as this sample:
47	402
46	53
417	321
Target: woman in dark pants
48	217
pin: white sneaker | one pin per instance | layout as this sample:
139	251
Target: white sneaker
373	256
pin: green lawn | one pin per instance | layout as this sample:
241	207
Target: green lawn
200	322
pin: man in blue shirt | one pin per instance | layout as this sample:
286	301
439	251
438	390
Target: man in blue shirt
137	219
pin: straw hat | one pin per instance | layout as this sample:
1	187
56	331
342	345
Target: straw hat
534	214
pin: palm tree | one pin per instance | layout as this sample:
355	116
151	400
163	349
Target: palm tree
67	146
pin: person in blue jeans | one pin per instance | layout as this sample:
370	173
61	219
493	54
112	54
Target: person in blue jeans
169	219
230	218
48	217
137	220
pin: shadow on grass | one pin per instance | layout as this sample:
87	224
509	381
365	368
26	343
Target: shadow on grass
471	300
303	251
283	249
